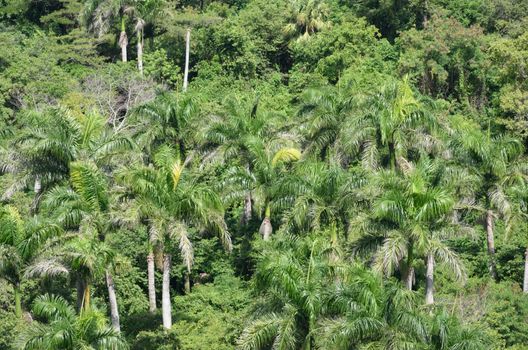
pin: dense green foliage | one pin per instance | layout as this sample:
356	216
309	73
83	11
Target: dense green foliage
311	174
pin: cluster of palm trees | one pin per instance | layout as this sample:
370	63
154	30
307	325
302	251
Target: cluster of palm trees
377	178
310	296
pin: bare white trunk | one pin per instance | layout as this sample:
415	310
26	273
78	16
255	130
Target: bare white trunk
525	282
409	278
187	49
140	51
38	185
491	244
248	209
123	42
266	229
187	282
114	313
151	282
429	279
165	293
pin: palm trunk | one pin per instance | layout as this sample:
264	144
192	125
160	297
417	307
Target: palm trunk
114	313
392	156
265	228
80	294
140	50
491	245
187	48
525	282
429	279
408	276
165	293
151	282
18	300
123	40
38	185
425	20
86	297
246	215
187	282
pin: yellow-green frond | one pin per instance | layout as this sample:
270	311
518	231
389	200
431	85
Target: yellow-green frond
285	155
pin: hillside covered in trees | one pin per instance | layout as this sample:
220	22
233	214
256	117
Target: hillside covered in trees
264	174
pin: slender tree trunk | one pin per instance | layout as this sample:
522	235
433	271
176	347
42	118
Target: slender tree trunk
246	215
187	282
409	278
525	282
114	313
491	245
140	50
429	279
425	20
86	303
123	40
151	281
409	269
165	293
79	285
37	188
18	300
392	156
38	185
187	49
265	228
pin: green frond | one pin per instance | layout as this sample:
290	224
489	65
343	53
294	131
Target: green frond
285	155
89	183
259	334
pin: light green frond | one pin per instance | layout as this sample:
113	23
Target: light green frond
285	155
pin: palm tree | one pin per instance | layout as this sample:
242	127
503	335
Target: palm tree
372	128
157	123
291	279
20	243
172	199
366	313
144	12
447	332
87	259
226	138
63	329
99	15
262	178
164	120
413	209
308	17
517	195
85	207
325	112
498	160
319	195
42	154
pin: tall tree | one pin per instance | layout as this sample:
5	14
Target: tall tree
499	161
171	197
20	244
262	178
144	13
226	137
100	15
412	208
85	206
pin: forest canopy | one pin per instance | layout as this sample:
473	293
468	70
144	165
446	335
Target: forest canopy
264	174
